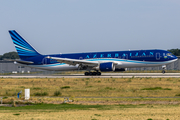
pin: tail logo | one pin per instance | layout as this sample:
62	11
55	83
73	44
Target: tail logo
24	49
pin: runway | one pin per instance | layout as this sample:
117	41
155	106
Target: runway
104	75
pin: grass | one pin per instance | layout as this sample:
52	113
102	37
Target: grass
110	88
156	88
65	87
41	94
92	87
100	101
16	114
36	88
126	101
177	94
57	93
64	106
94	108
99	112
5	97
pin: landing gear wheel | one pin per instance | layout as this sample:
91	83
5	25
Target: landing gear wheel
90	73
86	73
94	73
98	73
164	68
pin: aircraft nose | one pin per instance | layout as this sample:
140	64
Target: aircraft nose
173	57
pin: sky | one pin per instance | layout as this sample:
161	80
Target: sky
71	26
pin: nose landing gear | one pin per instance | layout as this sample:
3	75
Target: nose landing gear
92	73
164	68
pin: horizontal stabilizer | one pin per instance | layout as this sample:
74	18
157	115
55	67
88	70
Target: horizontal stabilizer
24	62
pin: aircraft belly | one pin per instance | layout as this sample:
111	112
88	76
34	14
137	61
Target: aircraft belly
118	64
132	64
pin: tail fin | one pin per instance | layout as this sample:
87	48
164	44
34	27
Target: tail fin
24	49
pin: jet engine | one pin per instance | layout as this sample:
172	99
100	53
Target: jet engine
109	66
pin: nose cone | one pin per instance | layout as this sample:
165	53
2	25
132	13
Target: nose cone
173	57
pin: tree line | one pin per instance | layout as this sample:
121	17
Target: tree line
14	55
9	55
175	52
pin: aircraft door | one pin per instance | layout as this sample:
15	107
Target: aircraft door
126	56
157	56
45	61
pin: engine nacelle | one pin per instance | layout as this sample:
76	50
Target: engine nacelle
120	69
109	66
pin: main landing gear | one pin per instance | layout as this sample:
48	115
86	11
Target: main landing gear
163	67
92	73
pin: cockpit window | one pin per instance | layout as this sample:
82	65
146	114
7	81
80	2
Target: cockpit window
169	54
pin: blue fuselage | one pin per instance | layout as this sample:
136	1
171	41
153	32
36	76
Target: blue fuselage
134	58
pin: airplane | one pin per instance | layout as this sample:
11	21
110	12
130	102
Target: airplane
92	62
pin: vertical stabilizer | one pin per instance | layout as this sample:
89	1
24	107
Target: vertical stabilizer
24	49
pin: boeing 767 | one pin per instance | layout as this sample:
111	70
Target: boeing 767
91	61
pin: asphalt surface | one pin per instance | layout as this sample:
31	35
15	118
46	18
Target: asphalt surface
104	75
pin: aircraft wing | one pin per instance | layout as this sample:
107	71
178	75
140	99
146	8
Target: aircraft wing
75	61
